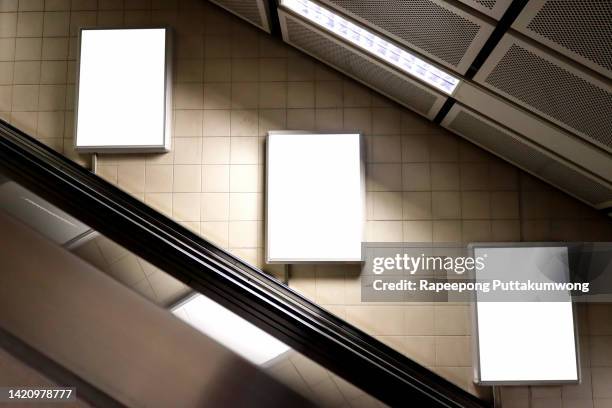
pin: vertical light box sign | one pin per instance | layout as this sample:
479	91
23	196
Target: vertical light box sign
525	337
314	197
123	90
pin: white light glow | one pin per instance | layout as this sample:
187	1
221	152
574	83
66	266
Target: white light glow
122	89
525	342
230	330
314	197
374	44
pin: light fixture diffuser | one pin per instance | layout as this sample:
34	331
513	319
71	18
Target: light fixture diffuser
123	90
373	44
229	329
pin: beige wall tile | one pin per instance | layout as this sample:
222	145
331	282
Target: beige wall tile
419	321
415	148
328	119
444	147
243	234
245	178
417	206
453	351
475	205
601	379
386	121
272	69
328	94
300	68
245	206
186	206
384	177
420	348
188	150
245	95
187	178
131	177
444	176
188	96
357	120
387	206
386	149
216	123
27	48
25	97
452	320
504	205
244	123
417	231
356	95
416	177
216	231
215	207
447	231
189	70
26	72
215	178
187	123
384	231
56	24
29	24
52	97
54	48
158	178
446	204
7	48
474	176
217	70
272	95
476	231
300	95
244	150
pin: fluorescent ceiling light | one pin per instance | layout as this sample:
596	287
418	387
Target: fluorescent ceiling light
525	342
122	95
314	197
374	44
229	329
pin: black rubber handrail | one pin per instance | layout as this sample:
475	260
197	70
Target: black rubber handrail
349	352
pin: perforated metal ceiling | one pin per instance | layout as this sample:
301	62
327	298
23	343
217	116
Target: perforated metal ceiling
361	67
581	30
492	8
556	78
575	100
439	30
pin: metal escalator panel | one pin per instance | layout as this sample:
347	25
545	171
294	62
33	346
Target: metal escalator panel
137	244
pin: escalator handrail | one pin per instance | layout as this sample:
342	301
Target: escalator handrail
264	301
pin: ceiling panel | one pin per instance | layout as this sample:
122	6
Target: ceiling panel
581	30
492	8
555	89
447	34
356	64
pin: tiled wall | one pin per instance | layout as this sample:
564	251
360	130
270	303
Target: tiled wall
233	84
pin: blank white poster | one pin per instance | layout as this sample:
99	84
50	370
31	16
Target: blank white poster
314	197
122	94
525	342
